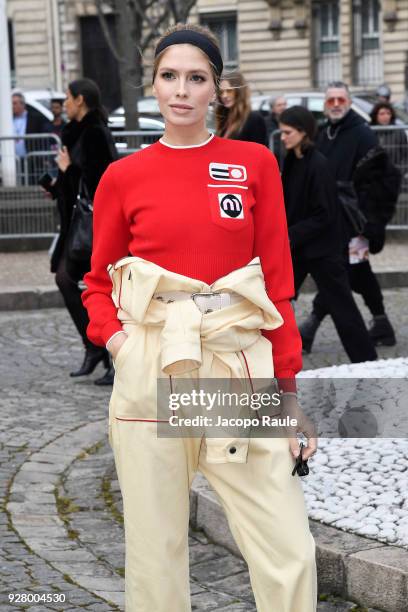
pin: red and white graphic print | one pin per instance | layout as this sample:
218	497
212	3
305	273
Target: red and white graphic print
228	172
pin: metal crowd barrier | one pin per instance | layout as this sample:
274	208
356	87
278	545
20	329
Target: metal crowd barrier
24	207
394	139
130	142
26	210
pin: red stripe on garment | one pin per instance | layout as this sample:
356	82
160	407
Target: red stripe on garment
120	288
143	420
250	379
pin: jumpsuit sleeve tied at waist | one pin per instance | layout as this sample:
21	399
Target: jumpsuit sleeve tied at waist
176	339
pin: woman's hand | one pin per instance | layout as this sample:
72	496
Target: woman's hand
63	159
291	408
114	345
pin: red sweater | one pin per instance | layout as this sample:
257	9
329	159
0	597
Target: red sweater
198	211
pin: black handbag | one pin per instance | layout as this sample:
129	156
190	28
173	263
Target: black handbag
355	218
80	229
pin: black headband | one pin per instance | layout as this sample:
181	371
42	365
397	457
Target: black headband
191	37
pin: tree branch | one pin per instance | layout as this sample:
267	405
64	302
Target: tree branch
106	33
154	31
180	9
150	4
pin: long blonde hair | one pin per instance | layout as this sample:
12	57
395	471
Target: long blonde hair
229	121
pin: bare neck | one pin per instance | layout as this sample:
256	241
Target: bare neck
185	136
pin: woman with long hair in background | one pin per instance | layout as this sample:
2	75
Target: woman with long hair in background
234	117
394	141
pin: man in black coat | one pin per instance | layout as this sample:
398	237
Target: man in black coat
359	166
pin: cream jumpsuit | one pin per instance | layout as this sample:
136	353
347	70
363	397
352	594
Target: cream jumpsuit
264	504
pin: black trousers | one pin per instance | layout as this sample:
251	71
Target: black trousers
362	281
333	284
67	277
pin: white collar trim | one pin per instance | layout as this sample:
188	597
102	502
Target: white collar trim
194	146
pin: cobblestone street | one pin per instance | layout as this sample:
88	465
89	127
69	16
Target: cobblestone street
60	524
327	349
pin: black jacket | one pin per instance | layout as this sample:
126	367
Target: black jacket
91	149
311	206
272	123
377	183
354	156
35	165
36	124
345	143
253	130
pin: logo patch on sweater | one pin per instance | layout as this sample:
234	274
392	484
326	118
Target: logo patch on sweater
231	205
228	172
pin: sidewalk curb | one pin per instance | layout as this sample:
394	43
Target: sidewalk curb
351	566
30	298
34	298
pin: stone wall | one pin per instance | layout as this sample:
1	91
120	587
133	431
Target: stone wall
33	42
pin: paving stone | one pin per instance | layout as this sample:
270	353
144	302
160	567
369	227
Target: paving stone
205	552
216	569
208	600
238	608
237	584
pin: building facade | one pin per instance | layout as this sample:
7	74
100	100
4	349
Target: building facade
280	45
294	45
34	43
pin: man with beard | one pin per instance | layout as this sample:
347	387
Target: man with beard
359	166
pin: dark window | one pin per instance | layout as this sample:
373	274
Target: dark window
367	51
326	41
328	16
224	27
11	49
98	62
370	10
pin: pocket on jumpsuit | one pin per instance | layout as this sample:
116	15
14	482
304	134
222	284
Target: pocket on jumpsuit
135	384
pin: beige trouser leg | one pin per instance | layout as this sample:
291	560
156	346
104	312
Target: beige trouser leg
154	477
266	512
263	502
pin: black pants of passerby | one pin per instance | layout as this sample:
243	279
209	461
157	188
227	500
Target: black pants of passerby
67	278
333	284
362	281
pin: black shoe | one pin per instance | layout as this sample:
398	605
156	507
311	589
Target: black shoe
93	355
107	378
308	331
381	331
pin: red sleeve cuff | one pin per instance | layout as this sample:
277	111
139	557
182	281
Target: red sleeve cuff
109	329
286	381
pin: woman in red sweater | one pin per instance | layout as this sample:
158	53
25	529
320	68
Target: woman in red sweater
192	211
